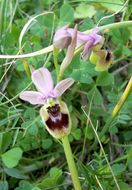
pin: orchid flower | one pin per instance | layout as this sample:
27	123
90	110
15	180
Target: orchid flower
54	112
63	38
42	79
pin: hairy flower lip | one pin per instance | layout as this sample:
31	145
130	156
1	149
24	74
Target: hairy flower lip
102	59
58	122
108	56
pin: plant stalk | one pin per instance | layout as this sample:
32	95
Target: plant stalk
71	163
25	65
55	53
123	98
65	140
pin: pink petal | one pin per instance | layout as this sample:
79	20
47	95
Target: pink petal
62	38
97	39
87	50
43	81
62	86
32	97
95	36
81	37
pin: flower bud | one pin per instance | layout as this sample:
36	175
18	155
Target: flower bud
56	118
62	39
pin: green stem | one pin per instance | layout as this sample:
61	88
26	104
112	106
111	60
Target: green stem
123	98
25	65
116	25
55	53
71	163
113	25
65	140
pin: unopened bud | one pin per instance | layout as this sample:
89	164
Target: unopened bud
62	39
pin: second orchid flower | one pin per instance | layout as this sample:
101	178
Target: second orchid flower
70	38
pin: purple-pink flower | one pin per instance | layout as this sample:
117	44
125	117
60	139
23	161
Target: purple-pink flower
42	79
64	35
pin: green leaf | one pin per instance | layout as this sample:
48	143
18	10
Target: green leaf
19	65
118	168
105	79
24	185
82	76
31	127
82	71
90	133
95	96
120	36
51	181
46	143
113	130
111	5
129	159
15	173
87	24
55	172
1	138
84	11
76	133
33	130
36	188
88	173
30	113
126	51
3	185
66	14
48	182
99	15
124	186
128	135
12	157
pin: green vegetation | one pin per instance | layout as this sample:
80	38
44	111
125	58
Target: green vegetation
101	142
